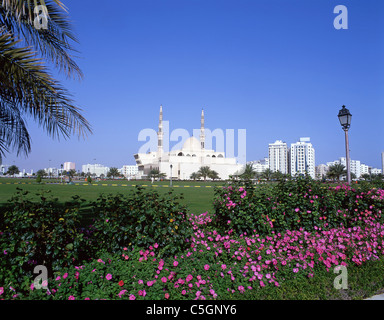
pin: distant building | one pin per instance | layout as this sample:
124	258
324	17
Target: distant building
302	158
364	169
96	169
376	171
321	171
129	170
260	165
69	166
189	159
278	156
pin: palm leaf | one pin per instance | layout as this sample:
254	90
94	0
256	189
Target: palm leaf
27	86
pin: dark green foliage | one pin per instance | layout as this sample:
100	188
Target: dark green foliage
140	219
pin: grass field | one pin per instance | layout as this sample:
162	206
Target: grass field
198	195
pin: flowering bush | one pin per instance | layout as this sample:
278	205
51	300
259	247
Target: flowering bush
294	204
218	263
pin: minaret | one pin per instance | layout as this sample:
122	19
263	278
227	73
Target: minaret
202	134
160	133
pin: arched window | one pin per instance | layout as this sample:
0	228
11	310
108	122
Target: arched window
213	156
180	154
220	156
193	155
188	155
208	155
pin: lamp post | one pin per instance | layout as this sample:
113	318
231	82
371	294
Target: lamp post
61	174
345	118
170	184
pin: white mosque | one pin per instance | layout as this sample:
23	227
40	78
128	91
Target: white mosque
190	158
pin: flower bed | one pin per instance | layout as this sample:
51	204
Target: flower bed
217	260
216	265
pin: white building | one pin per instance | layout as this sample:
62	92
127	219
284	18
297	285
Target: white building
190	158
364	169
321	171
376	171
69	166
278	156
129	170
96	169
302	158
260	165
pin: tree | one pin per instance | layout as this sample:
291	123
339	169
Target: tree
12	170
213	175
336	170
41	173
156	174
27	87
266	174
194	176
249	172
113	172
204	172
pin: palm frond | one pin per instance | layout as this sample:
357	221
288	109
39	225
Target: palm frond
53	43
27	85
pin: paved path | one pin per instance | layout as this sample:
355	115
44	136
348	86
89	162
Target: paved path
377	297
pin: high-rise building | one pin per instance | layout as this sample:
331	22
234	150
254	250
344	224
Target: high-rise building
302	158
278	156
69	166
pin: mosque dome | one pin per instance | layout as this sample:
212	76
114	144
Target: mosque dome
192	144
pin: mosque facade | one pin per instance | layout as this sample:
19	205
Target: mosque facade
190	158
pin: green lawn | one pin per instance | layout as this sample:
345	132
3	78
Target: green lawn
198	195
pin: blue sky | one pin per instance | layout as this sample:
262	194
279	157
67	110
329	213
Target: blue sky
277	68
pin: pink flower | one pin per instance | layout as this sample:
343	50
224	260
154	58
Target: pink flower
71	298
223	266
122	292
206	267
108	276
189	278
297	209
150	283
164	279
166	295
142	293
175	263
1	290
132	297
183	292
140	282
65	275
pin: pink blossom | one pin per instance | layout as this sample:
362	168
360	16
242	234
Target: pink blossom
108	276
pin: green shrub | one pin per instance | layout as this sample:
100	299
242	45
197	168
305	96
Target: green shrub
140	219
38	233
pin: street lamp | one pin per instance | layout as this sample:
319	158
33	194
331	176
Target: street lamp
61	174
345	118
171	177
